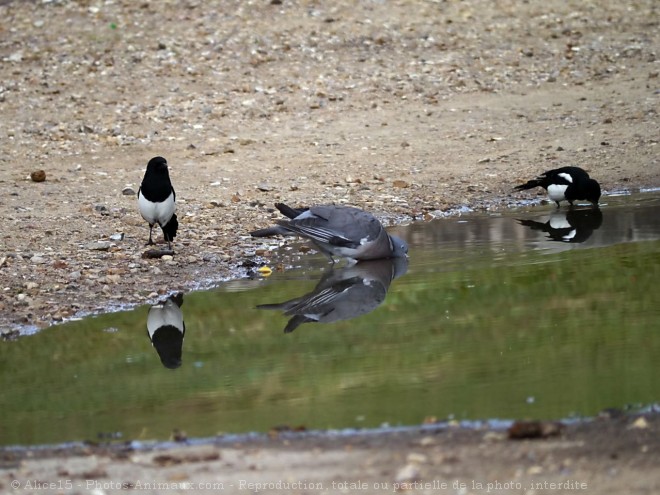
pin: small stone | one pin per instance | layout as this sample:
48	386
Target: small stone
264	187
128	191
167	257
75	275
427	441
401	184
416	458
119	236
38	260
640	423
15	57
534	429
38	176
31	285
407	474
99	246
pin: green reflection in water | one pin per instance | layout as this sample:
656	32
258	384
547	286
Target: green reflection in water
530	336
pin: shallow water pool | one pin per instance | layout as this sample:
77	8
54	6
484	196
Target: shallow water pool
530	313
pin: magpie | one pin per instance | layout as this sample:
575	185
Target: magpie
341	231
166	329
157	200
343	293
566	184
573	226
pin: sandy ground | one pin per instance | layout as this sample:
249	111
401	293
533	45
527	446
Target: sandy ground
405	108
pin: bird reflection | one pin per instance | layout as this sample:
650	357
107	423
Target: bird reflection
343	293
575	225
166	329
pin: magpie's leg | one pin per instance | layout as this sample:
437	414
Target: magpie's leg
151	242
557	203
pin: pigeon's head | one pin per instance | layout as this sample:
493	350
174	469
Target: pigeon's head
157	165
399	247
592	191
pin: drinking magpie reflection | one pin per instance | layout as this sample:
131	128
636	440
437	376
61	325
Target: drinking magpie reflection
575	225
343	293
166	329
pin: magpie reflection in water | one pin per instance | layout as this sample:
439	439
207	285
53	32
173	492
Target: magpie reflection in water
166	329
343	293
574	225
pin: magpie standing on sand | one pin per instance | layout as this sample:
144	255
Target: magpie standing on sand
341	231
157	200
566	184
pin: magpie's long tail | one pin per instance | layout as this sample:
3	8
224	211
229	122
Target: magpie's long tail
170	228
289	212
532	224
530	184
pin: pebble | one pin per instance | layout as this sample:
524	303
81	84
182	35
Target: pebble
128	191
408	473
38	176
99	246
37	260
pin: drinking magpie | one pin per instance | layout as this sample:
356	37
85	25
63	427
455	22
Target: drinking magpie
574	226
157	200
566	183
341	231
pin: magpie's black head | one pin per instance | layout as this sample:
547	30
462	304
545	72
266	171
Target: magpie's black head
157	164
592	191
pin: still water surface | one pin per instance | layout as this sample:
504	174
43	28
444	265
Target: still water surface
532	313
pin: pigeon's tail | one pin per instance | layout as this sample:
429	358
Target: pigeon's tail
281	306
170	228
530	184
289	212
270	231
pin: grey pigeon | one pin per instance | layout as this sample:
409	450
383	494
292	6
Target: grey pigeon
166	329
157	199
343	293
341	231
566	184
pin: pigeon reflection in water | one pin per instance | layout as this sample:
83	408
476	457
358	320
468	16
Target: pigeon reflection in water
568	226
343	293
166	329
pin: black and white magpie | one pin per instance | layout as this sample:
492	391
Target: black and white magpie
574	225
166	330
341	231
566	184
157	200
343	293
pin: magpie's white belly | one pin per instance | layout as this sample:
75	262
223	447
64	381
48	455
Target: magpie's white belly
167	313
157	212
556	192
559	222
